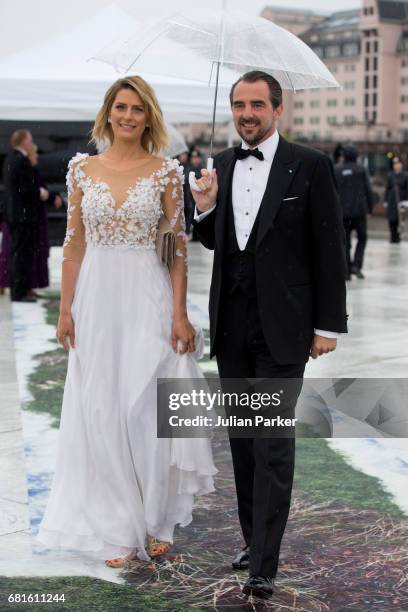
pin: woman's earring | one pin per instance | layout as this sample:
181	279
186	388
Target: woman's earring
109	121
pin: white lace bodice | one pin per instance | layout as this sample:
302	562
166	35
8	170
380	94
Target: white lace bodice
96	218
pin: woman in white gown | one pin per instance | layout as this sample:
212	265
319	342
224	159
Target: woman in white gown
118	490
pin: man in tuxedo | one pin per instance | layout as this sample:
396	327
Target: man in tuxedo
271	213
22	197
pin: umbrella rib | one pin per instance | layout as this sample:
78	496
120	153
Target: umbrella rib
211	72
214	110
193	28
149	44
290	80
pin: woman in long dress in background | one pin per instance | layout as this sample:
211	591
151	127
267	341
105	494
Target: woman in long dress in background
118	490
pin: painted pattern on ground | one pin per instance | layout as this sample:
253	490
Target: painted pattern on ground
344	548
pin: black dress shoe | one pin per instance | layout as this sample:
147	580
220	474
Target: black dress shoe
241	561
357	272
258	586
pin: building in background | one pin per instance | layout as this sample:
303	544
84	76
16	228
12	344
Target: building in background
294	20
367	51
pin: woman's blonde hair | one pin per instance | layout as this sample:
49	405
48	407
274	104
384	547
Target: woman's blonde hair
154	138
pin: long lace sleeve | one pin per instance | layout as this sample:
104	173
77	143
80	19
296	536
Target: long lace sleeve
173	207
74	244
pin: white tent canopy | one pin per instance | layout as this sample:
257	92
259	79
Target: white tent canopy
55	81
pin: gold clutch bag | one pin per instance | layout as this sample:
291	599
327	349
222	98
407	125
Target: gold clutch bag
166	242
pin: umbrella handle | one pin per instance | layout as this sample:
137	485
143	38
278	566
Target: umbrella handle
192	179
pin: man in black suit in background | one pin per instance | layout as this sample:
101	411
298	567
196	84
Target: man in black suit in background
274	221
22	197
357	199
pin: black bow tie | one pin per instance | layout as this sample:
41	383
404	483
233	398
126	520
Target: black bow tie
244	153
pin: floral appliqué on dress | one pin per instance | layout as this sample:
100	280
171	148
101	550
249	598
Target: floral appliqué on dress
94	219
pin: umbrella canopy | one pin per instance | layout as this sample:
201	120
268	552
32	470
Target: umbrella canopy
224	45
177	143
236	41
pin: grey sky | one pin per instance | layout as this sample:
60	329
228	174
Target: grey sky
25	22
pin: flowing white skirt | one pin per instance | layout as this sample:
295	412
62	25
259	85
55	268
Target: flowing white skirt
115	481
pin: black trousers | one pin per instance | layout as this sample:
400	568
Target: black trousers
22	248
359	224
263	467
394	231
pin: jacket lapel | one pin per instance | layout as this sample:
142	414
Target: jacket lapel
226	169
282	171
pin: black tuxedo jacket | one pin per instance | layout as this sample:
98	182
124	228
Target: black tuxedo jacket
300	261
21	189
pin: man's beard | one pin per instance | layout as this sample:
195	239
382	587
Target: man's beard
256	138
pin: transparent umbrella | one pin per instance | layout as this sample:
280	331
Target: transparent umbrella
177	143
217	48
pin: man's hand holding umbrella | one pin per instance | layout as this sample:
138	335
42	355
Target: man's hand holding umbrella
205	199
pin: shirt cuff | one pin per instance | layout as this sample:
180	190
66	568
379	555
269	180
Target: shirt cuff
326	334
200	216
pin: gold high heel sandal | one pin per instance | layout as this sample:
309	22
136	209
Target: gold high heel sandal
119	562
155	548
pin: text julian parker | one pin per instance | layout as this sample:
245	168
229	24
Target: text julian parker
231	421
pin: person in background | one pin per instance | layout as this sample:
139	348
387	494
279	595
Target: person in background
196	161
4	250
183	158
22	196
357	199
40	275
338	154
395	192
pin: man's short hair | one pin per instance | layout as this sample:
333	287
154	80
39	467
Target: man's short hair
18	137
275	90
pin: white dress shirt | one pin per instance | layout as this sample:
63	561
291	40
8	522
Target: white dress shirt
248	187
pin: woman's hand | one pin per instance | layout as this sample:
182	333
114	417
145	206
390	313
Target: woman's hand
184	332
66	329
